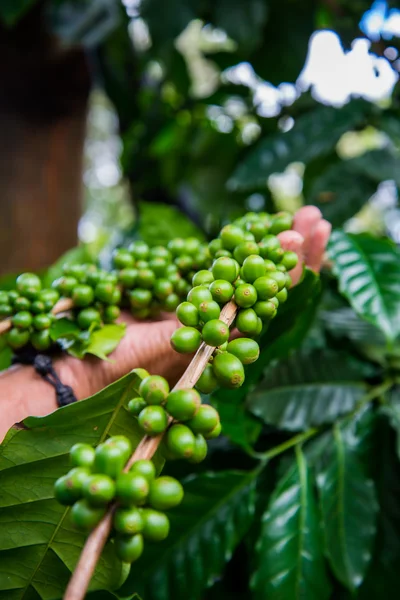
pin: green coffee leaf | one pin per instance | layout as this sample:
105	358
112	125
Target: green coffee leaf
216	512
307	390
369	277
349	508
289	560
39	548
105	340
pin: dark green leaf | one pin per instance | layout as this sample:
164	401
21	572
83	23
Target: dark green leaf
38	546
307	390
103	341
64	328
290	561
349	508
369	277
378	165
340	192
392	410
216	512
242	20
12	10
313	134
344	322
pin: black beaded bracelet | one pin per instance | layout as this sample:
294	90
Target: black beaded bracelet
43	365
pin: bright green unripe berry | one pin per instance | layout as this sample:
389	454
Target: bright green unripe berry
163	288
245	349
22	320
204	420
155	525
139	250
176	246
214	433
12	296
184	262
221	291
282	295
145	468
131	488
171	302
158	266
84	516
269	265
200	449
186	339
3	297
82	455
199	294
160	252
154	389
274	301
49	297
225	268
268	244
180	441
128	277
209	310
5	310
266	287
82	295
182	287
68	489
231	236
111	313
109	460
29	285
182	405
247	321
188	314
129	548
88	317
252	268
257	228
215	332
139	298
74	270
122	258
104	292
192	245
289	260
244	250
122	443
22	304
276	255
17	338
207	382
281	222
116	297
37	307
165	493
153	420
128	521
136	405
98	490
280	279
214	246
245	295
202	277
65	285
228	370
41	340
265	309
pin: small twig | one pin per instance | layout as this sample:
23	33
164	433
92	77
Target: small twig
62	306
147	447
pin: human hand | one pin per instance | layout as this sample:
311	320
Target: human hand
147	343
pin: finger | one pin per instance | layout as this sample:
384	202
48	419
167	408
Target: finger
320	239
292	240
304	222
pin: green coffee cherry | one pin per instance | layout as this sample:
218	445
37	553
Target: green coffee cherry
276	255
104	292
122	258
98	490
22	304
182	405
207	382
145	468
139	298
12	296
3	297
200	449
245	295
165	493
231	236
17	338
228	370
268	244
84	516
82	295
205	420
184	262
128	521
257	228
162	288
41	340
127	278
154	389
171	302
22	320
49	297
188	314
37	307
88	317
214	433
65	285
111	313
139	250
68	489
82	455
122	443
247	321
180	441
282	295
136	405
5	311
209	310
109	460
265	309
199	294
160	252
131	488
252	268
245	249
266	287
281	222
245	349
155	525
146	279
153	420
186	339
28	285
202	277
225	268
221	291
215	332
214	246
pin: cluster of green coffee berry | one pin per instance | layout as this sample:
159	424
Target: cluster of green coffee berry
253	273
97	478
187	422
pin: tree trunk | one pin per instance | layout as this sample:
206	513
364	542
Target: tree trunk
43	103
